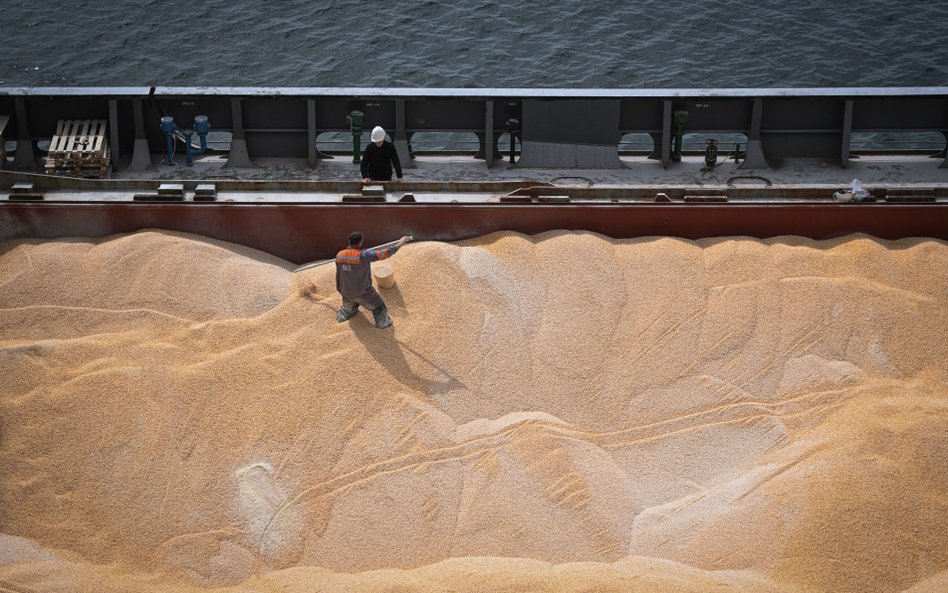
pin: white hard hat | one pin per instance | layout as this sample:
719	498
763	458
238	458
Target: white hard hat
378	134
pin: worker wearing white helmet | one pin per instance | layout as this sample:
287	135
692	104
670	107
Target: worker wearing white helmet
378	158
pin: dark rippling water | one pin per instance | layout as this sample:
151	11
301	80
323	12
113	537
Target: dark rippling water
476	43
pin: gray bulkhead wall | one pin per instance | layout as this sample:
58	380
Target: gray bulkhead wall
571	134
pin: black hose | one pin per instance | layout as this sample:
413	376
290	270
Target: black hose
589	182
730	181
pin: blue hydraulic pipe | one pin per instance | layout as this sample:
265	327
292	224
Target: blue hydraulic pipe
201	126
167	126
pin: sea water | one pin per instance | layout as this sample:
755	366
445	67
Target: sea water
479	43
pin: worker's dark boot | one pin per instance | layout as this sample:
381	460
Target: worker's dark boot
382	318
343	315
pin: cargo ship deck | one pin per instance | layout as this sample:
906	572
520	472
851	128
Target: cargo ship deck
273	187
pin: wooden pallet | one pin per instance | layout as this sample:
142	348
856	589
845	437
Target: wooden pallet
79	149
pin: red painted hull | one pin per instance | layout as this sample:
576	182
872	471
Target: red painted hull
305	232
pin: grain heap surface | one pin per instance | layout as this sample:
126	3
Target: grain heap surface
562	412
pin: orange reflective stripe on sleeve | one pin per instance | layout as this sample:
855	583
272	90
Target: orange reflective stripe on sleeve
348	256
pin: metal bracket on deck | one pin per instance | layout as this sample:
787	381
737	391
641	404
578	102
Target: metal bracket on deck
238	157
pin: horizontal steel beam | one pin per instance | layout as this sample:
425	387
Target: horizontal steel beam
423	92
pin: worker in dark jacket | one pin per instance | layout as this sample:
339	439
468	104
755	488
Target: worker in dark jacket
378	159
354	280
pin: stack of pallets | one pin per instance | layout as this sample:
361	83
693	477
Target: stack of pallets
79	149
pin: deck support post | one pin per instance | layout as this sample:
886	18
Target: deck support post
311	131
115	153
944	152
141	155
24	158
488	145
666	132
754	157
847	132
400	137
238	157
